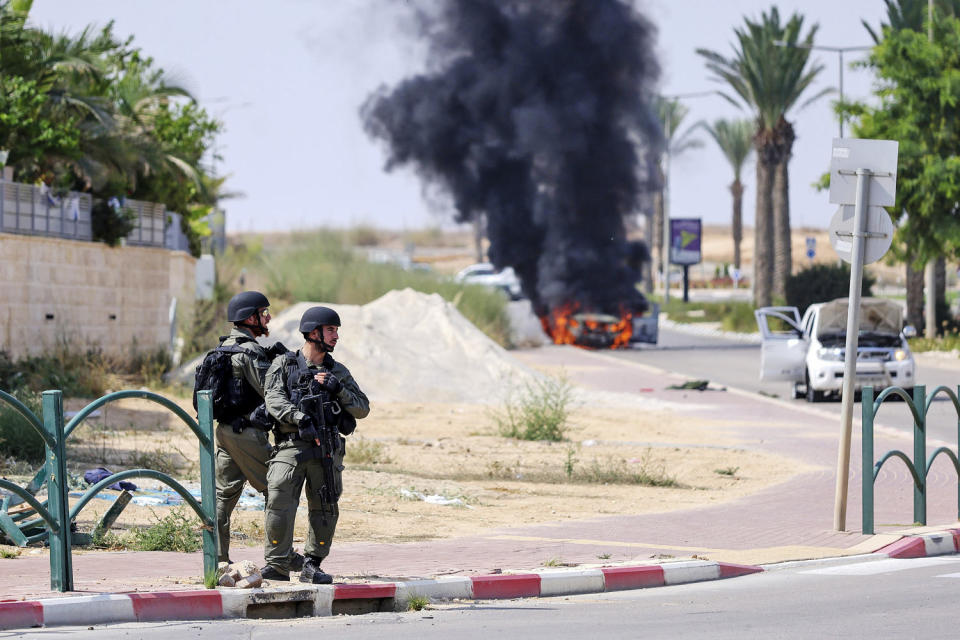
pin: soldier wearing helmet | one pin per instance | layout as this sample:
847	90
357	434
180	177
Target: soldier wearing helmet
243	447
309	445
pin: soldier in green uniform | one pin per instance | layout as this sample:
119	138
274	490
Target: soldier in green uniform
313	400
243	447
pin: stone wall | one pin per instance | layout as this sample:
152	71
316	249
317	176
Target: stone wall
87	294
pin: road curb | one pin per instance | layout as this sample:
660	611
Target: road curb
924	545
302	600
325	600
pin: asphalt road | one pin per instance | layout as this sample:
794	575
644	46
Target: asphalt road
849	598
726	362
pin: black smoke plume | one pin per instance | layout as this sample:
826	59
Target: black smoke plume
537	113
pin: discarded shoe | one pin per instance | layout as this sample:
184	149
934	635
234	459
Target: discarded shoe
312	572
296	561
269	573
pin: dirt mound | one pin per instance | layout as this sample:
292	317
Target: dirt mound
408	346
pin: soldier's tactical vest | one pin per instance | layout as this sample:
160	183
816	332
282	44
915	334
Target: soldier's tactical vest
298	385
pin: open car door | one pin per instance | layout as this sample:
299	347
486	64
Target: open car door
784	348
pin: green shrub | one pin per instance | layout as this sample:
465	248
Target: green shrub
364	452
177	531
18	438
75	371
539	411
822	283
111	224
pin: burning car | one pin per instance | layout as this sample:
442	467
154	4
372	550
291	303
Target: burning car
810	352
592	330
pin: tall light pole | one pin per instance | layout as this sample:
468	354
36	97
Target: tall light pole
665	162
838	50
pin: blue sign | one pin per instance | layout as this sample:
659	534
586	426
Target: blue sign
685	234
811	247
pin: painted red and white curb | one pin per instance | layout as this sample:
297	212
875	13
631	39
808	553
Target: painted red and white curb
301	600
317	600
924	545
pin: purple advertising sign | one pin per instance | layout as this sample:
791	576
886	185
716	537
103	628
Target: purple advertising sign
685	234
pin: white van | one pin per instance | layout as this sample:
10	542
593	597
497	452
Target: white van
810	352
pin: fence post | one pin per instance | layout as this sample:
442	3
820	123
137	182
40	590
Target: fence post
58	500
866	460
920	454
208	495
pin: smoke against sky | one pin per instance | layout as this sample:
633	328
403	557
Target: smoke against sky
538	117
288	79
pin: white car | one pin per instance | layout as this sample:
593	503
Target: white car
810	352
484	273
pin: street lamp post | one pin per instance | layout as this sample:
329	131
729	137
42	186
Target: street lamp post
667	126
838	50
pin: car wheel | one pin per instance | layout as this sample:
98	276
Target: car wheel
812	394
798	391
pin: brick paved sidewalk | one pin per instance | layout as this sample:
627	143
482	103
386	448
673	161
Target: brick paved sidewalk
791	520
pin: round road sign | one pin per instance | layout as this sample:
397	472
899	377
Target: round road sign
879	232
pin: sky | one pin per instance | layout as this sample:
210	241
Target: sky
287	79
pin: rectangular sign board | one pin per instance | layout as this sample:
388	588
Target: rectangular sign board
877	156
685	235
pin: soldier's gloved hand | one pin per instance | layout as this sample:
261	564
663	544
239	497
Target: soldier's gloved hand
277	349
307	430
332	383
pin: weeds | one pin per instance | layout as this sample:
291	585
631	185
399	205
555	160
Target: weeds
321	265
9	554
727	471
539	412
603	556
18	438
554	562
570	462
176	531
644	472
613	471
366	452
418	603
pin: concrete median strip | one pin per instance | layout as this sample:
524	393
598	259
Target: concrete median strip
322	600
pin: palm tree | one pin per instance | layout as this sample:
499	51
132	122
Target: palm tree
910	14
671	113
770	79
735	139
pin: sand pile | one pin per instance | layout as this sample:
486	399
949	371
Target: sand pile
408	346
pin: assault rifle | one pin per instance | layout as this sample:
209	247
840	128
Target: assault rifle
325	412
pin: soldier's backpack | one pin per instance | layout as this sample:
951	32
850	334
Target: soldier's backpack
215	373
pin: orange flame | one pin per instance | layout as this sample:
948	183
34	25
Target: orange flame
565	325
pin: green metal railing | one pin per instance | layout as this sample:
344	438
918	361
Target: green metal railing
56	513
920	466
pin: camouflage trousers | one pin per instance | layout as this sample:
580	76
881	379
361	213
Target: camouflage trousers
241	457
285	482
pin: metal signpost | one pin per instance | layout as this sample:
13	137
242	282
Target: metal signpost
685	235
863	173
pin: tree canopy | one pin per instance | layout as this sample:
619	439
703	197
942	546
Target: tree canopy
918	84
91	112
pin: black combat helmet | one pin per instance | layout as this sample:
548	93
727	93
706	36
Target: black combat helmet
318	317
245	304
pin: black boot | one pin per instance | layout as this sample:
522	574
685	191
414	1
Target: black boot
312	572
269	573
296	562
